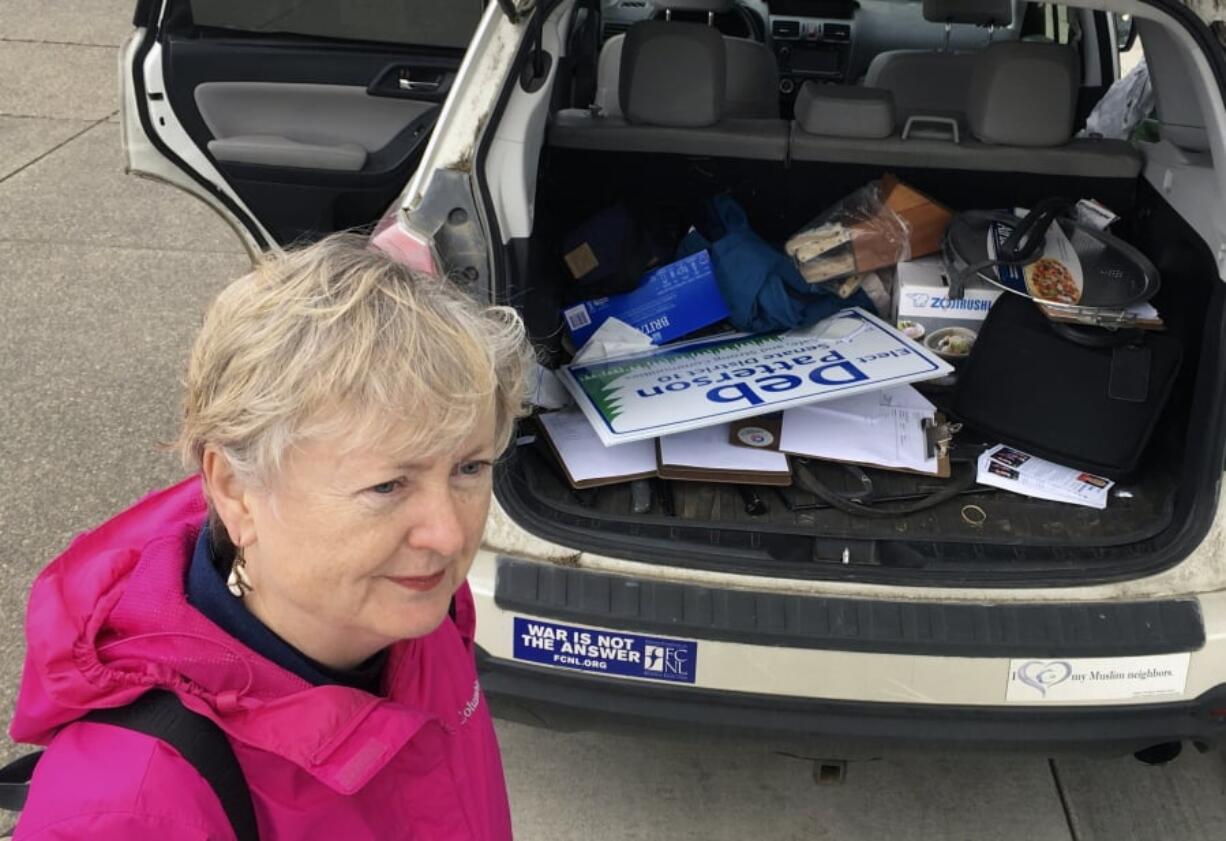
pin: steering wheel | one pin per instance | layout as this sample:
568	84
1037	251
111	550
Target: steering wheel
753	20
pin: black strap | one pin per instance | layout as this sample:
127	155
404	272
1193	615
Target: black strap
161	714
198	740
858	506
1092	336
15	781
1029	234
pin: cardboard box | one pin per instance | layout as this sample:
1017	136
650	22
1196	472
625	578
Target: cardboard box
921	296
863	241
927	218
670	302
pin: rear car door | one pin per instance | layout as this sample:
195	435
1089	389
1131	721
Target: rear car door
291	118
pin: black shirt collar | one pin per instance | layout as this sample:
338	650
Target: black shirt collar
207	592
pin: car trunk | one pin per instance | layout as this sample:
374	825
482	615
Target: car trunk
1150	521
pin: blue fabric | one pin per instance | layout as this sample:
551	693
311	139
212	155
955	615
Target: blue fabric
761	285
207	592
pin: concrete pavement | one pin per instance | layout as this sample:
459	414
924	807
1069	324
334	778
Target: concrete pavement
105	278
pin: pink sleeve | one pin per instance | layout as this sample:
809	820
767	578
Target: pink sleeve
107	783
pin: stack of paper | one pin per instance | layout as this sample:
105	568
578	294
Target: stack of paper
882	428
1143	315
700	455
588	462
1012	470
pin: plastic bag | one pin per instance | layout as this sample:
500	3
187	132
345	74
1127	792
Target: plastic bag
761	286
858	234
1125	104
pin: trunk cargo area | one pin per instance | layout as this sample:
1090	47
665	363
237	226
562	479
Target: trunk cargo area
1020	541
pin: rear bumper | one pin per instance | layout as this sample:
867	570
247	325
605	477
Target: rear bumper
799	672
569	701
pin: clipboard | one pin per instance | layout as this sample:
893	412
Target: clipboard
703	456
766	432
707	455
585	460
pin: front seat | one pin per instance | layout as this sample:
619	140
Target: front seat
751	86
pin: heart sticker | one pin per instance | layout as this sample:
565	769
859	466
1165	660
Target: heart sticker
1044	674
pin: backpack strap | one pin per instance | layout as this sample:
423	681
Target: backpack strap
15	781
201	742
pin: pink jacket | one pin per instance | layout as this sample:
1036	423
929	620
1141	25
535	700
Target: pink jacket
109	619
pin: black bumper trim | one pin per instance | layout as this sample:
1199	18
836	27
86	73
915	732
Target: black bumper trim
570	701
1089	629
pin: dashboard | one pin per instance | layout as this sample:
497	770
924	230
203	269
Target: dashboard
812	39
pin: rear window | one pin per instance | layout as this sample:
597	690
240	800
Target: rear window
436	23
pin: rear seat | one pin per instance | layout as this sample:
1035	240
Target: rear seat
923	82
673	98
937	83
1020	109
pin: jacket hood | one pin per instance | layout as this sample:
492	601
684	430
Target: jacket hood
109	619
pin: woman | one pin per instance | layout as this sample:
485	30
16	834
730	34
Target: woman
305	589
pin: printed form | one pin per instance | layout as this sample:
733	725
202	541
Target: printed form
883	428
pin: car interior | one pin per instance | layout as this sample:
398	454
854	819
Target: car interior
315	120
788	106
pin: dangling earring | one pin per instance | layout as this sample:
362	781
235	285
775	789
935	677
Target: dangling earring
238	583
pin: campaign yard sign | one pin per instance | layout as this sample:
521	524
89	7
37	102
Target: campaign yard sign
711	381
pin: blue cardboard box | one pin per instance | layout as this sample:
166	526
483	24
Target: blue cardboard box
670	302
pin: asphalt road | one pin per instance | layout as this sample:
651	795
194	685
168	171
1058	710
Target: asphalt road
103	279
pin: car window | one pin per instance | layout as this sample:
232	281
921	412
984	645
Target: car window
438	23
1050	21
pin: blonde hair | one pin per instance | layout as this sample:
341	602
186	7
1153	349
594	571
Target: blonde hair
337	337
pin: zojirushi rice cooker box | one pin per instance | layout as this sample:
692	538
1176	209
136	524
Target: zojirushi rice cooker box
923	310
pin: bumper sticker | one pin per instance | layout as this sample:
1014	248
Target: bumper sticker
1101	679
605	652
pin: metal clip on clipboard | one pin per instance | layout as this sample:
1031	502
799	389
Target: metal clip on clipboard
939	436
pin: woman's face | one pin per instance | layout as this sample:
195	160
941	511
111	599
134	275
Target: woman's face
352	551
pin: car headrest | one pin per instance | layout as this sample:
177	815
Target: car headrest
716	6
1024	94
974	12
673	74
845	111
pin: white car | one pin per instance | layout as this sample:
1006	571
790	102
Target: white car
1023	623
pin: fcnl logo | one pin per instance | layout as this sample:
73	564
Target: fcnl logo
665	660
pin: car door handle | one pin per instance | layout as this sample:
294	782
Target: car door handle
406	83
429	81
